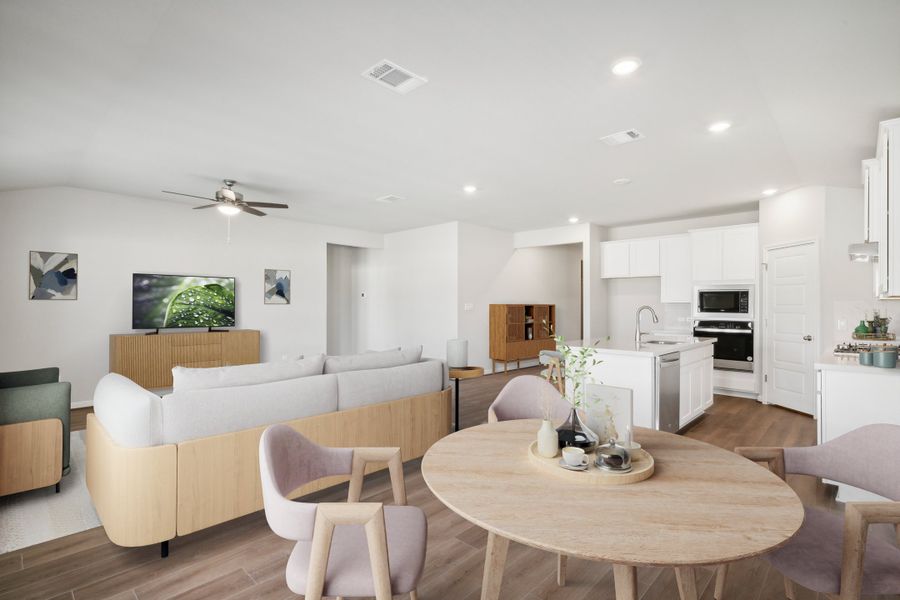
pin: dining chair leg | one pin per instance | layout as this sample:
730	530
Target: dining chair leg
625	577
687	583
494	563
721	574
561	562
789	592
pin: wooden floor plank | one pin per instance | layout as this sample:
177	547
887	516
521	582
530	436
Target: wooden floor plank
243	559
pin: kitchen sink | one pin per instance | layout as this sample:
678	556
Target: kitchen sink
662	342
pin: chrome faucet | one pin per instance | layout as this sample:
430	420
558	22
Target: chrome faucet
638	334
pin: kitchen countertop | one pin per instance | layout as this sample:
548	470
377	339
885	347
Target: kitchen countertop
850	363
627	346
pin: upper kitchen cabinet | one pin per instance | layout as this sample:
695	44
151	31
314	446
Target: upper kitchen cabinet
887	205
629	258
676	283
725	254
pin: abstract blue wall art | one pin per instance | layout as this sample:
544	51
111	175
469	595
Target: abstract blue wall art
277	287
52	276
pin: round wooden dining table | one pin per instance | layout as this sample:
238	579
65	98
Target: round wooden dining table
702	506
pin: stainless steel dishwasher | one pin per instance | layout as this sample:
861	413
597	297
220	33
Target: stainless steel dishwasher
668	391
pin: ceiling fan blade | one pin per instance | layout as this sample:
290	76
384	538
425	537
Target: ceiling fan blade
189	195
252	211
266	204
207	206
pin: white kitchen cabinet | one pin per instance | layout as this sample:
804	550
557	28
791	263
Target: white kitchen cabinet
614	259
888	203
706	254
696	384
725	254
850	396
629	258
643	258
675	271
740	253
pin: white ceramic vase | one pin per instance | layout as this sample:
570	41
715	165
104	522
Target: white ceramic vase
547	440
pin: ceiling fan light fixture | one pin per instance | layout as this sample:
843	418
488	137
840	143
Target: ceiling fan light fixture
228	209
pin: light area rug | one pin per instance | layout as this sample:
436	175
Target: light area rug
36	516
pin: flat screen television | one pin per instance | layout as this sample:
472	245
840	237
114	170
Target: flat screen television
171	301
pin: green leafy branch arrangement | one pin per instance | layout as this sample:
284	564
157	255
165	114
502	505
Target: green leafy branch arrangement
577	363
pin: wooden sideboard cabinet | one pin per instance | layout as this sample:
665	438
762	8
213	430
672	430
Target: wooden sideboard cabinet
520	331
148	359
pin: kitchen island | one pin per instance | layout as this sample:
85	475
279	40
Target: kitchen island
850	395
666	394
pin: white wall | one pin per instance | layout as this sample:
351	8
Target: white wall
115	236
413	296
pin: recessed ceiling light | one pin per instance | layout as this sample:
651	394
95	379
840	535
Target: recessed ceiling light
626	66
573	220
719	126
470	189
770	192
622	181
389	199
227	209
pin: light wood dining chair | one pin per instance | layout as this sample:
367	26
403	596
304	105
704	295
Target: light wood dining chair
833	554
521	399
554	372
343	549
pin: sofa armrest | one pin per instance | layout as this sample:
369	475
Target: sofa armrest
37	402
14	379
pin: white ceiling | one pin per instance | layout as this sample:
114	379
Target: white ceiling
139	96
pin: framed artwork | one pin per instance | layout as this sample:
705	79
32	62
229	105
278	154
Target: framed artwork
277	287
52	276
609	412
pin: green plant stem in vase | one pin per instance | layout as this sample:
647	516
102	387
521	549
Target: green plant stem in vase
578	362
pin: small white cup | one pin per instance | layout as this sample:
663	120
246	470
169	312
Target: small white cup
573	456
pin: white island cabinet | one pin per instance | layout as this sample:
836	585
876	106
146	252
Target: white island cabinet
849	396
625	365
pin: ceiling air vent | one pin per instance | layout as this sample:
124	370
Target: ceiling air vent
391	76
623	137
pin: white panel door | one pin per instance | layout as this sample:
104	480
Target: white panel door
614	259
643	258
791	326
676	280
740	253
706	255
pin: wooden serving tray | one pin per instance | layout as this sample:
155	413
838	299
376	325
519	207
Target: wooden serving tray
642	466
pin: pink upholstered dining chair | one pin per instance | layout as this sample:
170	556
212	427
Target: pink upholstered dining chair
343	549
833	554
521	399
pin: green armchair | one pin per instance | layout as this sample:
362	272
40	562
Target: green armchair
34	429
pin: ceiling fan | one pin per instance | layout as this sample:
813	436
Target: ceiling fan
230	202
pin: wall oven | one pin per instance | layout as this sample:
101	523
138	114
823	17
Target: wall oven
721	303
734	343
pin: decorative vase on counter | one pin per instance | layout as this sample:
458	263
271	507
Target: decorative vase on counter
575	433
547	440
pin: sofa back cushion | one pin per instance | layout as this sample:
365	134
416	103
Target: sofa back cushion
373	360
186	379
131	415
361	388
201	413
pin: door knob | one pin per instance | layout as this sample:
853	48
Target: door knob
808	338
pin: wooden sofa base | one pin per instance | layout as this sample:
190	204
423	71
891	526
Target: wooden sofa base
149	495
30	455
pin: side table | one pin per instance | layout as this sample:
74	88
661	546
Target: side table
457	373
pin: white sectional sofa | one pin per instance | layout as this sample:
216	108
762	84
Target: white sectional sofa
158	467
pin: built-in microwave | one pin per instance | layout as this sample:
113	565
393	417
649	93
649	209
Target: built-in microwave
728	303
